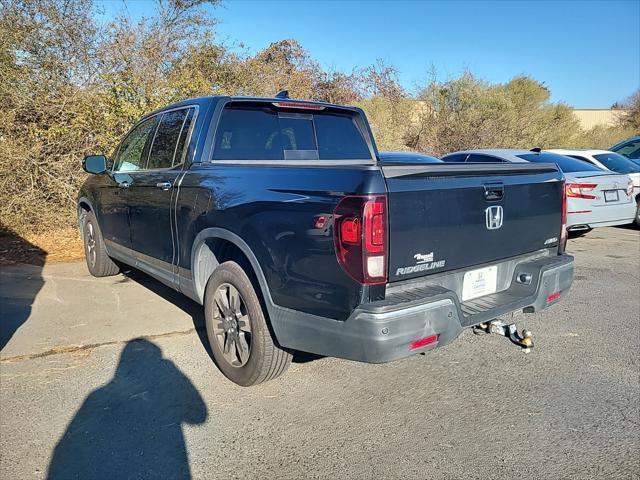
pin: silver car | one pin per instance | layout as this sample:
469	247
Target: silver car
595	198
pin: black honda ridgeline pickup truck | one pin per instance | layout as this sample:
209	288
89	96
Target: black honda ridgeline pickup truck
284	221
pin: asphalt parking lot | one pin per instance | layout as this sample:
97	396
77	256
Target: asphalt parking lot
83	395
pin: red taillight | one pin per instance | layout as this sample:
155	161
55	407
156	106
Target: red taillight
360	237
423	342
374	226
563	228
580	190
350	230
304	106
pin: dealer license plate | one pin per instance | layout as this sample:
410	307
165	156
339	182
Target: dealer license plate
478	283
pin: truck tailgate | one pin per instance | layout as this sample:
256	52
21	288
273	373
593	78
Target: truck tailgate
449	216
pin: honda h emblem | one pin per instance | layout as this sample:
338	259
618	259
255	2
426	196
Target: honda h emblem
494	216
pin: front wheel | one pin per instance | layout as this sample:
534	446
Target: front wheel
243	347
98	262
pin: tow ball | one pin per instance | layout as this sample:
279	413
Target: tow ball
509	330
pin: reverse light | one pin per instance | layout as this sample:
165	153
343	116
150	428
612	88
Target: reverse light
630	188
360	238
581	190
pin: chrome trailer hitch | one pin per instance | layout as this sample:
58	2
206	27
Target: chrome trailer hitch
509	330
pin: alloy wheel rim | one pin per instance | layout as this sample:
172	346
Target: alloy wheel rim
91	244
231	325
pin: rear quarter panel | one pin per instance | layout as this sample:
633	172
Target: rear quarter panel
274	210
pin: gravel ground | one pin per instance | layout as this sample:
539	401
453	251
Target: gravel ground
158	408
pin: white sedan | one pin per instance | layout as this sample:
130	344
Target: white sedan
610	161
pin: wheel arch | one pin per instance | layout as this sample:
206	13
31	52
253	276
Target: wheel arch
85	206
215	245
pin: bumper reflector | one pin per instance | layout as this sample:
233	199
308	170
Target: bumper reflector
553	296
423	342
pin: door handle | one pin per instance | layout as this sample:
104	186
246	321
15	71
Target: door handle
164	185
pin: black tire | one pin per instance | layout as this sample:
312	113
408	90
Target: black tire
98	262
636	222
578	233
263	360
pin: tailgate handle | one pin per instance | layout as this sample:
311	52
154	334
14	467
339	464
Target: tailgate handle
493	191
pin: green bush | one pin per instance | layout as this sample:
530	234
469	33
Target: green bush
70	86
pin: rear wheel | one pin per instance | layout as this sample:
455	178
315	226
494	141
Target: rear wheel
98	262
243	347
637	220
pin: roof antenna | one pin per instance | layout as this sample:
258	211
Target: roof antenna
536	149
282	94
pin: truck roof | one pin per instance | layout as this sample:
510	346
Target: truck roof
207	100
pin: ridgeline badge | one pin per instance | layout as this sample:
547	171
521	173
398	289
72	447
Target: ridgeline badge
424	262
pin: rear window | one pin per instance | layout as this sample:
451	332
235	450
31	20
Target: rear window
263	133
455	158
480	158
566	164
168	143
617	163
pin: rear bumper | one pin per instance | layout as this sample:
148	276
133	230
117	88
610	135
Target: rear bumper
383	331
600	215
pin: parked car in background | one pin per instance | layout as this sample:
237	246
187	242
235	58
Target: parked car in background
629	148
595	197
278	216
610	161
391	158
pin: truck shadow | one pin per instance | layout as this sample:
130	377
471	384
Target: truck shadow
19	285
132	426
194	310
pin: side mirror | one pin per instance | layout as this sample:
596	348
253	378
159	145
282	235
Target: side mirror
95	164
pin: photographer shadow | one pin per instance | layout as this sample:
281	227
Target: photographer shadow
132	426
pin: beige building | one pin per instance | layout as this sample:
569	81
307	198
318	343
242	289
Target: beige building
593	117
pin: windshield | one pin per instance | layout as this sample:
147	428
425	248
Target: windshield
566	164
617	163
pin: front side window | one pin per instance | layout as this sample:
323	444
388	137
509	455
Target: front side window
168	142
630	150
132	154
261	132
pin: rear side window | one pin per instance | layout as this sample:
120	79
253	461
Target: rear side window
617	163
566	164
263	133
169	139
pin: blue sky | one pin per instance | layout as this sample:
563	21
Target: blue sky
586	52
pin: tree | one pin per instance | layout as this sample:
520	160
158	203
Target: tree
632	118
